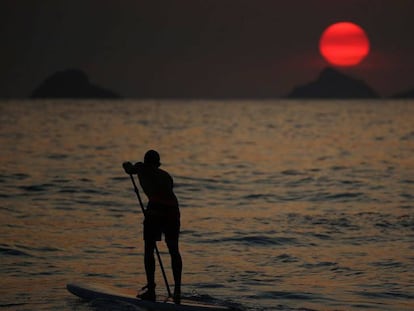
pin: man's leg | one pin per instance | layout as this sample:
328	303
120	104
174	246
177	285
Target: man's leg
149	262
177	267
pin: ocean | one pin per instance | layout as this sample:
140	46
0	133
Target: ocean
285	205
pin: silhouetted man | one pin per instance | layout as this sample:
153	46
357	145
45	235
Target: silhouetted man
161	216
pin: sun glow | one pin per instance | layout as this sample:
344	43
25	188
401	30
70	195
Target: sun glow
344	44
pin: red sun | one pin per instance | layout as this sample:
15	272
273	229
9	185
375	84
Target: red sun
344	44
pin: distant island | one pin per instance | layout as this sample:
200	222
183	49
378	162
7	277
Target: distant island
330	84
333	84
72	83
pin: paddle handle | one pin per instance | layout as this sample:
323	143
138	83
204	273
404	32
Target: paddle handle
137	193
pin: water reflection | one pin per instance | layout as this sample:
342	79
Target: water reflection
283	204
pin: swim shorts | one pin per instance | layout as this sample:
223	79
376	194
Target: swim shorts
158	223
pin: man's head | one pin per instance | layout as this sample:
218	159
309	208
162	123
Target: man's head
152	158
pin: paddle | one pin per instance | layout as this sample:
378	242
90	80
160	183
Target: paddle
156	248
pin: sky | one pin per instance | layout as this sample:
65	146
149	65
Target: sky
198	48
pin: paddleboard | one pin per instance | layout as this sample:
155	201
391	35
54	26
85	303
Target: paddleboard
92	292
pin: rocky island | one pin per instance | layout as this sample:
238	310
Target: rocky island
72	83
333	84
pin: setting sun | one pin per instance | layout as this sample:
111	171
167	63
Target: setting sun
344	44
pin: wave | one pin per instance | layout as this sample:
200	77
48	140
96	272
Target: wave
7	251
255	240
386	295
36	188
309	196
292	295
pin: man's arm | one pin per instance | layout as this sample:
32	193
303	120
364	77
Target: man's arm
132	169
129	168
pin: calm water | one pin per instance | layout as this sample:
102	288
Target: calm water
285	205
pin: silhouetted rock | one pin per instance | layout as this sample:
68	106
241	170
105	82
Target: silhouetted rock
406	94
334	84
71	83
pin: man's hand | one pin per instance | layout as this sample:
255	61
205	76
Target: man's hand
128	167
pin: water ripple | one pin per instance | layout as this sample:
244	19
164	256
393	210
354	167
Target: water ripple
7	251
